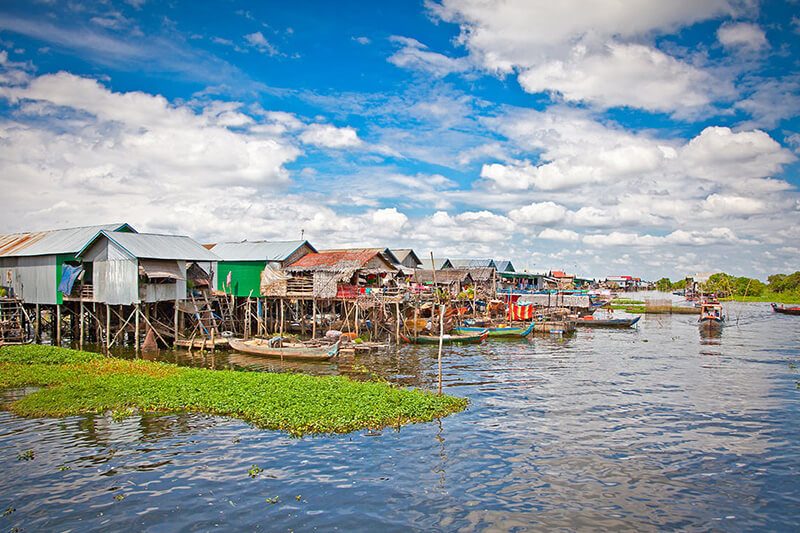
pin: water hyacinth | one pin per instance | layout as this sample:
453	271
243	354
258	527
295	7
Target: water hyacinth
75	382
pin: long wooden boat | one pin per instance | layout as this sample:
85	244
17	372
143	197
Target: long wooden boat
284	350
786	310
591	322
447	339
510	332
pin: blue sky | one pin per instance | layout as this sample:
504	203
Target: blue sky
637	137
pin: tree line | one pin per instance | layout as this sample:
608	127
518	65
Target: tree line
724	285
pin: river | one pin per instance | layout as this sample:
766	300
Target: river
651	428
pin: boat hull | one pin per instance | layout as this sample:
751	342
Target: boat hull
508	333
608	323
309	354
786	310
447	339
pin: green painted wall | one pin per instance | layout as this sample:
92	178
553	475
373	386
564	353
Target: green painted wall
245	277
60	260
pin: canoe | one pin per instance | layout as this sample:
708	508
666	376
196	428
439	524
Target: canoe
447	339
285	350
607	322
508	332
786	310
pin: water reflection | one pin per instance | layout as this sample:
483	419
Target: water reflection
653	428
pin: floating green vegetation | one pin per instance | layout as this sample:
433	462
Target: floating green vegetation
27	455
76	382
254	471
776	297
626	301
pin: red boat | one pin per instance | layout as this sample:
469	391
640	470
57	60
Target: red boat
786	310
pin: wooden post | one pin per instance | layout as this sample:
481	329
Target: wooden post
58	325
314	318
441	343
108	327
356	306
136	326
175	324
397	328
80	342
281	304
37	331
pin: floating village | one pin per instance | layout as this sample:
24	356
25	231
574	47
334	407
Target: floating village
110	286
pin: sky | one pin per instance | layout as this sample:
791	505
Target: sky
612	137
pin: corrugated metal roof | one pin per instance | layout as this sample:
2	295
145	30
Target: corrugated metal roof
257	250
339	260
52	242
504	266
402	253
425	263
154	246
473	263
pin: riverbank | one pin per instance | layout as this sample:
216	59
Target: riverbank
75	382
769	297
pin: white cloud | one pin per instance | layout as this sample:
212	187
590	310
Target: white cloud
742	35
678	237
415	56
597	52
541	213
558	234
328	136
259	42
362	40
626	75
723	205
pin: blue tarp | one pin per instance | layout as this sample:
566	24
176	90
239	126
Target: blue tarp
68	277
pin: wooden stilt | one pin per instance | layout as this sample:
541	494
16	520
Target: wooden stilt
175	324
108	327
80	342
397	327
314	318
357	328
136	327
37	332
282	317
58	325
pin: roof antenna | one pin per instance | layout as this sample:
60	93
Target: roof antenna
302	234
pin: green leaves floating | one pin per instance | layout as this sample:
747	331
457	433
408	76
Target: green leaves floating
77	382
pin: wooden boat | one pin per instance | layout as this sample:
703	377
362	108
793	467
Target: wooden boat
447	339
284	350
711	314
510	332
786	310
591	322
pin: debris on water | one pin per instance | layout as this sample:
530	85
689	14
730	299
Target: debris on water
27	455
64	468
254	471
298	497
119	497
8	511
272	500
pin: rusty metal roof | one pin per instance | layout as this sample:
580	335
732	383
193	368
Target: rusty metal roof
52	242
340	260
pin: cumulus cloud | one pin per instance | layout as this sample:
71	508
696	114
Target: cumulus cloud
558	234
328	136
414	55
597	52
742	35
539	213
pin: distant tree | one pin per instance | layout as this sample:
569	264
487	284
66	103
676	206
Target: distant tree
664	285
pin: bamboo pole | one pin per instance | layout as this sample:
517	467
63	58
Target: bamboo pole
282	317
175	328
37	332
441	344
